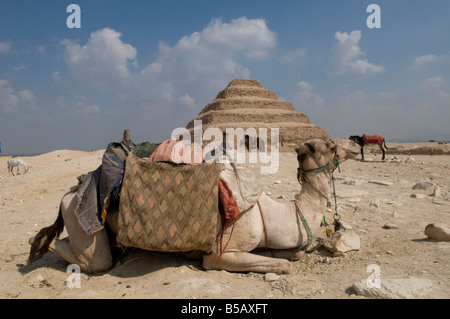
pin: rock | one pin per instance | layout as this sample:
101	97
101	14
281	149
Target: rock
342	242
375	203
390	226
438	231
395	159
437	192
348	192
384	183
420	196
394	288
345	226
423	185
270	277
277	182
410	160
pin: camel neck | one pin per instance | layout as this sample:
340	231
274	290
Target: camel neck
314	194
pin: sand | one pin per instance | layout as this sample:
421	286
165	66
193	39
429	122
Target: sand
30	202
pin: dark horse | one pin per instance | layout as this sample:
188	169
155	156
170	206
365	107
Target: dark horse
369	139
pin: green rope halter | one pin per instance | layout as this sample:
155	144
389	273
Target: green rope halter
318	170
307	228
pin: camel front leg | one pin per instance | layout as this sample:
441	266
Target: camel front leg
239	261
289	254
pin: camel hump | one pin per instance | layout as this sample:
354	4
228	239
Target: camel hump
243	184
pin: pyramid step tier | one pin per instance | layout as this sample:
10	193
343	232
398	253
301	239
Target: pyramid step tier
247	103
250	116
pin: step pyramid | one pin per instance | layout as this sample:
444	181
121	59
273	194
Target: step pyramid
247	104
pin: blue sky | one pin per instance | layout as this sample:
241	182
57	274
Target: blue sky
151	67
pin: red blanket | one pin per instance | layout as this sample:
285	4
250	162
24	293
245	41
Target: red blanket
373	139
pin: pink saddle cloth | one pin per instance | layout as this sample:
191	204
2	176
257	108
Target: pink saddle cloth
175	151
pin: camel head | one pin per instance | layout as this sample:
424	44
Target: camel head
317	153
351	148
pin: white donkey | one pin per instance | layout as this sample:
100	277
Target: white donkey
16	162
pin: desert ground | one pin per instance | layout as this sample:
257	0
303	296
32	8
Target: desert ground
387	203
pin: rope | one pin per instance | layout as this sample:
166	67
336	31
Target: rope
318	170
307	228
301	172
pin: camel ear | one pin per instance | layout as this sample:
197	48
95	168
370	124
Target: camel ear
311	148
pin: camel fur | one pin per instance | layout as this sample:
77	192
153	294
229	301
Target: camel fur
262	240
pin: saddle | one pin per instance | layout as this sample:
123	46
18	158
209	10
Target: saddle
372	139
168	207
174	207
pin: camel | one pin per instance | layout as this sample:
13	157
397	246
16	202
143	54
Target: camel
16	162
263	239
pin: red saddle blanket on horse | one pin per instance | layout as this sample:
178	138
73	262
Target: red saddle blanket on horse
373	139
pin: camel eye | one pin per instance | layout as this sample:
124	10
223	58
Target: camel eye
301	157
333	149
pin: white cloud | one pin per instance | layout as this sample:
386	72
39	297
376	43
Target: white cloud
306	97
56	76
199	63
104	59
26	96
187	101
433	83
204	61
20	67
10	100
41	49
5	47
426	59
82	108
348	56
212	52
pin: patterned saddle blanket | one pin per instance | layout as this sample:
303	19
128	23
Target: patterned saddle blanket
168	207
